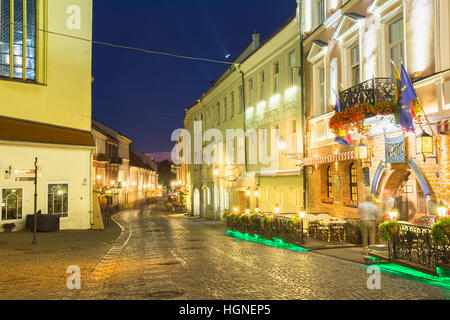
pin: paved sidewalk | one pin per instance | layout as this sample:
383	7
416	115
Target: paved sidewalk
17	243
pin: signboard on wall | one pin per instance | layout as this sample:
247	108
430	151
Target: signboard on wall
395	149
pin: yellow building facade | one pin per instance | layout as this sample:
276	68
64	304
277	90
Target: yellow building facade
258	96
45	110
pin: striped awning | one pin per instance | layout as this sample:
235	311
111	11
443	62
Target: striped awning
443	126
331	158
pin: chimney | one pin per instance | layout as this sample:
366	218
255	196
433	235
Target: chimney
256	40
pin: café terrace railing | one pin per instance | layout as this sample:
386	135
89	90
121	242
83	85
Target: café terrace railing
371	91
415	244
277	228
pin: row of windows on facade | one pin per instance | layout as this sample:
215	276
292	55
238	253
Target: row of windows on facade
213	114
18	48
396	51
57	201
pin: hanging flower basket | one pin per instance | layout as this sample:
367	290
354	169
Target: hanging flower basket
353	118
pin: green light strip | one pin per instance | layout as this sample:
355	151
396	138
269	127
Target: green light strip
442	281
278	243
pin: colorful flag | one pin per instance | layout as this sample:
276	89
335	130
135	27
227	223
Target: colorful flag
404	95
343	137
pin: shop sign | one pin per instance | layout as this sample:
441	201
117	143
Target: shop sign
395	149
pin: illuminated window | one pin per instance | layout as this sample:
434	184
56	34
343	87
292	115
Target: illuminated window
58	199
241	99
225	109
275	77
292	68
321	11
330	183
232	105
249	92
353	183
218	113
23	53
261	80
355	65
12	204
396	43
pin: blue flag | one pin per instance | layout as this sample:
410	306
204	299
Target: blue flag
405	94
342	137
338	104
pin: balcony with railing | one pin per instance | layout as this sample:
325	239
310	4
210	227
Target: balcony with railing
372	91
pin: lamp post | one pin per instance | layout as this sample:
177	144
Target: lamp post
302	216
35	202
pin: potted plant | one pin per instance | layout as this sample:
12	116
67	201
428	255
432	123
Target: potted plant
440	230
254	218
8	227
265	221
292	223
388	229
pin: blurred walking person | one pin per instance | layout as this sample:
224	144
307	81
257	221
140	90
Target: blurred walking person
368	214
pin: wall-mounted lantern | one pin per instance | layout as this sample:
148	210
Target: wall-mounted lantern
425	145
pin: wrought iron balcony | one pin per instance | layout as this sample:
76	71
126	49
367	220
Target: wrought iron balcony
102	157
372	91
116	160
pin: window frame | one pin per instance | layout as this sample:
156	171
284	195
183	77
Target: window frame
24	56
353	169
68	197
261	82
330	191
395	44
319	110
1	202
292	67
275	78
356	66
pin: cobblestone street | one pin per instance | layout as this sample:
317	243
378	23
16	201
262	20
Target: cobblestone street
173	257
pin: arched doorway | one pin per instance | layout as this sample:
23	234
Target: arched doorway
403	185
196	202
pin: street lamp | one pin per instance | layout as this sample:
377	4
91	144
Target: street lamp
424	145
216	172
277	210
235	210
393	214
442	210
361	151
282	145
257	210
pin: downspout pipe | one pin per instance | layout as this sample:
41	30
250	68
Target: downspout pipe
302	90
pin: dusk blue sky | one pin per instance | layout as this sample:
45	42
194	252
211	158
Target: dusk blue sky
144	96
